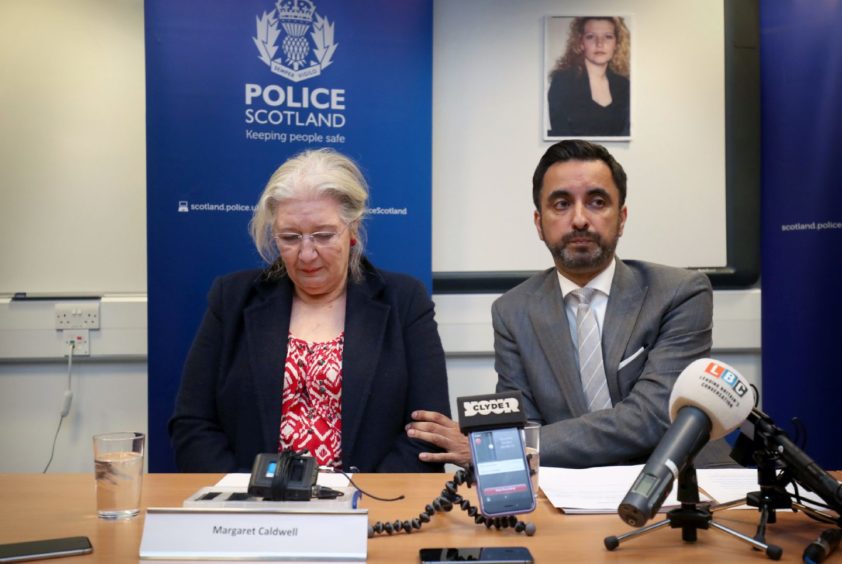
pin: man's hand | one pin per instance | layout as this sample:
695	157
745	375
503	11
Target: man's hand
440	430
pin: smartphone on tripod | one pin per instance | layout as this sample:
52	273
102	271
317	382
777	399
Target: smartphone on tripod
501	472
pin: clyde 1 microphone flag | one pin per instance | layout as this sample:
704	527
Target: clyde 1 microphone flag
490	411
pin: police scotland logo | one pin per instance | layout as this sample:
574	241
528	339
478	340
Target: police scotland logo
306	40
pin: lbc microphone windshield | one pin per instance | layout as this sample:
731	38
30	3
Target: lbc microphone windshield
718	390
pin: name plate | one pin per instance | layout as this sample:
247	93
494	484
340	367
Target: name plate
179	533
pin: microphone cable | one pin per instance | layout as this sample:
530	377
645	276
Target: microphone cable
814	509
65	406
362	491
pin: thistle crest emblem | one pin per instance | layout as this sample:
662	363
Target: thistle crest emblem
306	40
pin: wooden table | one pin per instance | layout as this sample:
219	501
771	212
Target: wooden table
36	506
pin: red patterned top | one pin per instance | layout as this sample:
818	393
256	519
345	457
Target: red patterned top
311	405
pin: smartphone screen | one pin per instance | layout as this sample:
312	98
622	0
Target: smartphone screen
488	554
501	471
49	548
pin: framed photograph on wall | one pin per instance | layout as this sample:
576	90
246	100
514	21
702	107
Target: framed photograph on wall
587	77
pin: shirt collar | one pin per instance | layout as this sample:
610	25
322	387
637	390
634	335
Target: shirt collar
601	281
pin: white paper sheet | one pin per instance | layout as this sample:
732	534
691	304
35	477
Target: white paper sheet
327	479
730	484
593	490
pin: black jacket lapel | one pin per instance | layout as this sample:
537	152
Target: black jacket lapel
267	332
365	324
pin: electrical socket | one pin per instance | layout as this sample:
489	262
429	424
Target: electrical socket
78	315
81	340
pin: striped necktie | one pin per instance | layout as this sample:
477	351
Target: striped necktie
591	368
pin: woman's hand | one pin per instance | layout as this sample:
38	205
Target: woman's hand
440	430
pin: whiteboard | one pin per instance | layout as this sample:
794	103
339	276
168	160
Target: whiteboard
488	94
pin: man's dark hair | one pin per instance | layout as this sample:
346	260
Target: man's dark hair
577	150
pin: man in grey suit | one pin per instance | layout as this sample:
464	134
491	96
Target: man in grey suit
636	326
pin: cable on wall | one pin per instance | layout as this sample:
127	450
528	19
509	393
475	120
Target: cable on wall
68	399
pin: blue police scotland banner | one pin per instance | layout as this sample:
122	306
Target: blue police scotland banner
801	58
234	87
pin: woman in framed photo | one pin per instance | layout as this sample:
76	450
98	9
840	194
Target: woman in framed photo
589	85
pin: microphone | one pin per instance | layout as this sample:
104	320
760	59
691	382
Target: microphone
708	401
823	546
803	469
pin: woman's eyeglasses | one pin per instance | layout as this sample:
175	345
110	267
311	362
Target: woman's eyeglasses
289	240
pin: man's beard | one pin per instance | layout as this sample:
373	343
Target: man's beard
573	260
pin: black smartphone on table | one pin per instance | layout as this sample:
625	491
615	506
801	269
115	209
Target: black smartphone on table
504	486
487	555
47	548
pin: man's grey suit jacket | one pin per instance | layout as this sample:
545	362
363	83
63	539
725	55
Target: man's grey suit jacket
658	320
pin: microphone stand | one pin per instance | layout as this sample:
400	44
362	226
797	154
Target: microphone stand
771	496
692	516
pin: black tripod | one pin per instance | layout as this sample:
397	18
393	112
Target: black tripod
771	496
692	516
445	502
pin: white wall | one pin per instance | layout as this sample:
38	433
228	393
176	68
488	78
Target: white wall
72	144
108	396
72	219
